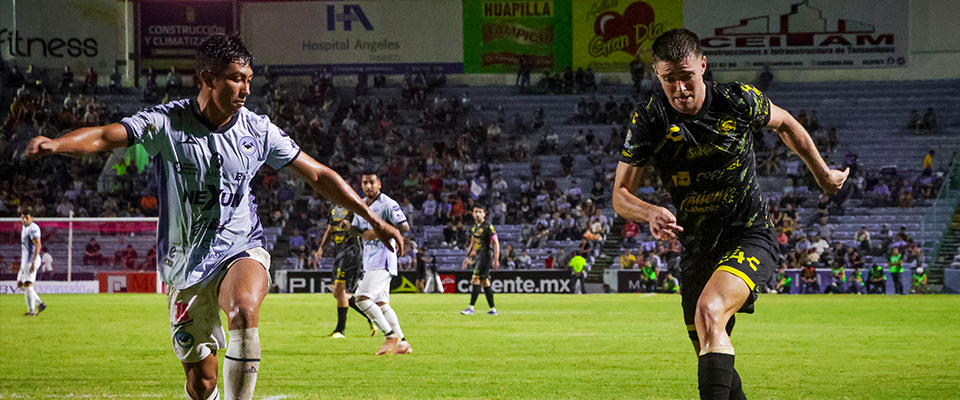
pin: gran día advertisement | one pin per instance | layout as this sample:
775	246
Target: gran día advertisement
609	34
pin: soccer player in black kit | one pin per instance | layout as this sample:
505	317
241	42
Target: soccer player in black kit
483	241
346	267
699	136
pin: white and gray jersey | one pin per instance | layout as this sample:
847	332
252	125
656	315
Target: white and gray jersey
27	247
376	255
207	210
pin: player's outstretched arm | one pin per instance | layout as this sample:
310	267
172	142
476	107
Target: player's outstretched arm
80	142
662	222
331	185
798	140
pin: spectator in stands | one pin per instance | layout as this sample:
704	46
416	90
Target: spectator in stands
539	240
882	193
856	281
906	195
296	242
928	162
92	254
918	282
509	258
630	231
90	82
524	261
65	207
914	122
129	258
67	83
854	259
648	274
670	284
929	124
449	235
838	280
149	262
825	228
784	281
810	281
878	281
765	78
821	246
885	238
174	82
896	270
863	237
627	259
116	81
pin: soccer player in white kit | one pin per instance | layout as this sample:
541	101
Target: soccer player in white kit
29	263
210	240
380	266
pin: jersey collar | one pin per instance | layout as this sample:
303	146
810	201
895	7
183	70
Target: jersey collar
706	101
195	106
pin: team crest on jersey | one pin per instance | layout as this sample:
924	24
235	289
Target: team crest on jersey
726	125
184	339
248	146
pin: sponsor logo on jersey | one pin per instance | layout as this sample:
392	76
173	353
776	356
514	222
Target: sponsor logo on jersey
726	125
674	134
212	196
710	176
190	140
701	151
707	202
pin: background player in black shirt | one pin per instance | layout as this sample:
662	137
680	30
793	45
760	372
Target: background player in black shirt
346	267
483	240
699	136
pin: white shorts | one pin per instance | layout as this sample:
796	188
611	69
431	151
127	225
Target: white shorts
25	275
195	327
375	285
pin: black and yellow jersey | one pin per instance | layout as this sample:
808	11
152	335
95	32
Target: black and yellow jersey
483	235
341	239
706	160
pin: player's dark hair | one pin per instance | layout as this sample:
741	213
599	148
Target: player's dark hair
370	172
216	52
26	212
675	45
480	206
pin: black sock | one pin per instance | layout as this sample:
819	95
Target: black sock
736	388
715	375
488	291
353	305
341	319
474	294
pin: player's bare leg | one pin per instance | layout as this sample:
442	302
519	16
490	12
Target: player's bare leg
241	294
202	378
723	295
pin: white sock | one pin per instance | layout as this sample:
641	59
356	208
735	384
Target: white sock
470	307
392	319
376	315
29	298
36	297
241	364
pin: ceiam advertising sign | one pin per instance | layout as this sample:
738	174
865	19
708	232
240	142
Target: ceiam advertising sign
298	37
800	34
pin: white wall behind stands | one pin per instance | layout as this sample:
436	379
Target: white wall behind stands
934	51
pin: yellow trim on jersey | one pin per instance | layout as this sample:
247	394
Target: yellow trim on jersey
739	274
692	327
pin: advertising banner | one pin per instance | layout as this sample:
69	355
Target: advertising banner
609	34
801	34
389	37
127	282
56	287
453	281
55	33
174	29
497	34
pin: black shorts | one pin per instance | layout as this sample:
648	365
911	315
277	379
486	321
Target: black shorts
482	266
751	255
346	268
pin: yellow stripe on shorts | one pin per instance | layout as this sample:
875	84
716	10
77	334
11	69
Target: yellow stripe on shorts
739	274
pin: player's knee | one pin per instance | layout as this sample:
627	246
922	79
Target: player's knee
710	313
244	314
202	387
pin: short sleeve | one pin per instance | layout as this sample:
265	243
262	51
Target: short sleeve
281	149
144	128
639	145
34	232
758	106
396	215
358	222
493	232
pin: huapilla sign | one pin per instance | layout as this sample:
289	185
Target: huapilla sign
498	34
801	34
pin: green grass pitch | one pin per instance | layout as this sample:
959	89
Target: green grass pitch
617	346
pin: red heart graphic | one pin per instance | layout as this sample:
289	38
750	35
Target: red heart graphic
634	24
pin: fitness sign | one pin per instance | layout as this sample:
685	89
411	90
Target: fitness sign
800	34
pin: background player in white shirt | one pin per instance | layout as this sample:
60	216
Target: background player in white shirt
29	263
380	265
209	236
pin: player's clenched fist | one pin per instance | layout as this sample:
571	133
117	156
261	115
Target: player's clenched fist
39	146
663	224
